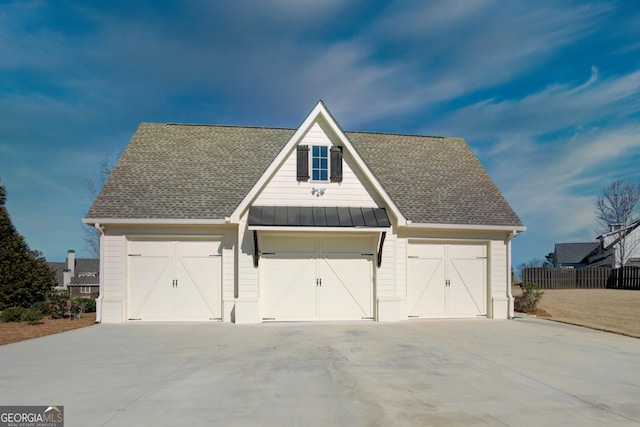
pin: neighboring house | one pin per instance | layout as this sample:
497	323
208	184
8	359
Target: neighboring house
79	275
611	242
575	255
254	224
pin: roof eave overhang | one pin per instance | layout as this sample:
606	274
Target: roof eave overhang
467	227
155	221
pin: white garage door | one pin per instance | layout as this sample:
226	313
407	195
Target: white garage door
174	280
317	278
447	280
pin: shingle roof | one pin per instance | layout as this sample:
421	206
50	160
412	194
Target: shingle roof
574	253
204	172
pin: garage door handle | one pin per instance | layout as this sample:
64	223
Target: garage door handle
447	282
319	282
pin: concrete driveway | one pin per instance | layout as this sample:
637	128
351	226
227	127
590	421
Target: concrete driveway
525	372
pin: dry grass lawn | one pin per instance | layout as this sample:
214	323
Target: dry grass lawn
13	332
604	309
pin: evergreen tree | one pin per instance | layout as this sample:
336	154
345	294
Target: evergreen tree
25	276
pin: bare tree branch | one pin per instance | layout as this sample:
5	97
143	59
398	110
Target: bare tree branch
616	210
94	186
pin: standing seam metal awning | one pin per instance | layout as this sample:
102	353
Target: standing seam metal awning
317	216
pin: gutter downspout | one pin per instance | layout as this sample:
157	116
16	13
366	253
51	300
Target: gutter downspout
511	313
100	274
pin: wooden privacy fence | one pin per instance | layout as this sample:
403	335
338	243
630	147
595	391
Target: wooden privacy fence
625	278
567	278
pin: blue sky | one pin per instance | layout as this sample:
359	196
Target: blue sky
547	93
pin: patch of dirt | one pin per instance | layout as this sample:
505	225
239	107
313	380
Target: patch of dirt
13	332
610	310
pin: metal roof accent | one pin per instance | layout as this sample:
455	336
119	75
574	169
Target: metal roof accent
317	216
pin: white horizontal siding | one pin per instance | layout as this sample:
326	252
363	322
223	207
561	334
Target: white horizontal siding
113	279
386	274
498	270
283	189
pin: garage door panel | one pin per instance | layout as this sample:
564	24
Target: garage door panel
196	299
174	280
447	280
292	287
306	278
346	291
467	287
147	298
426	290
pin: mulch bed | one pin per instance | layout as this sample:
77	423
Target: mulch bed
11	332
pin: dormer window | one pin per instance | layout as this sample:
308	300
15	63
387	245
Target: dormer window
319	163
325	163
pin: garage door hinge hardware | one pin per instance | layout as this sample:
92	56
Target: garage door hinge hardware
135	254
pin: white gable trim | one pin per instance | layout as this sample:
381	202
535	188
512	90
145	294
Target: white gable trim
319	111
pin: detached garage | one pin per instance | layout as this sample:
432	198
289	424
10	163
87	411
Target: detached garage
253	224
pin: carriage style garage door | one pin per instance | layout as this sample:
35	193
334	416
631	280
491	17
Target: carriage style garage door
317	278
447	280
174	280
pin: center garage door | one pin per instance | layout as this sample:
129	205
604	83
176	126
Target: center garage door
447	280
174	280
317	278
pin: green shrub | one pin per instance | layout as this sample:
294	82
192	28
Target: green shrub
57	301
528	301
12	314
88	303
42	307
32	316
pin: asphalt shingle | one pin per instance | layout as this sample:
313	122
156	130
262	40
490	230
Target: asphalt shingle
203	172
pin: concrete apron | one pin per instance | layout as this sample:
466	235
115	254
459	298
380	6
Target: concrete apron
525	372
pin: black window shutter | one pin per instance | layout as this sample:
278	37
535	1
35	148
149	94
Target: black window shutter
303	163
336	164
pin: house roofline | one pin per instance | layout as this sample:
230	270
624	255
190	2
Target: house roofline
478	227
155	221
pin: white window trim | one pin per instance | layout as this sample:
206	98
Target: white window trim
85	289
323	181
